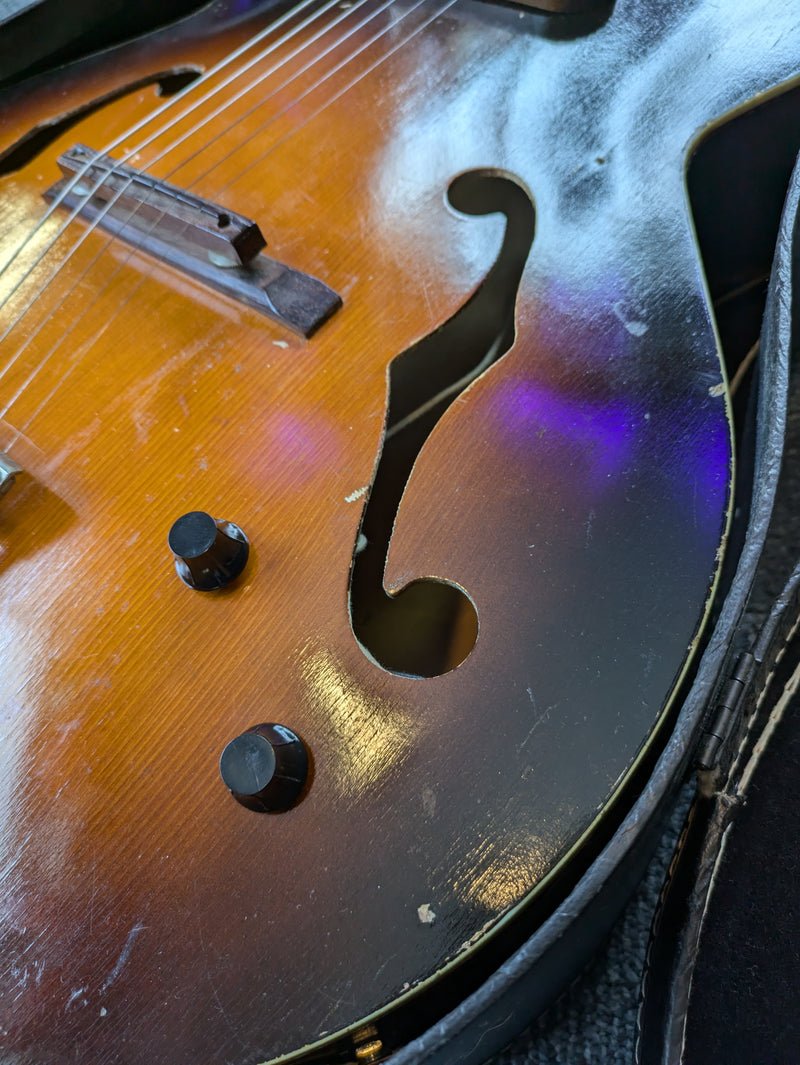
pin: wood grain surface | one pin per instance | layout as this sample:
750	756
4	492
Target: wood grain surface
577	492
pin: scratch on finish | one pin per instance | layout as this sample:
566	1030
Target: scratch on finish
492	1028
545	714
337	1002
93	895
359	492
382	967
21	978
122	961
75	994
25	683
427	297
19	435
634	326
245	1046
589	529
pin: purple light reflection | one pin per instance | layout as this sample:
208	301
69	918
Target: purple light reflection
678	449
696	456
594	440
299	449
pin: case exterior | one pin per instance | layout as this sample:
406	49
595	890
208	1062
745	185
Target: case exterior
721	980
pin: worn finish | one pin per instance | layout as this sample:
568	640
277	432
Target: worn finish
577	492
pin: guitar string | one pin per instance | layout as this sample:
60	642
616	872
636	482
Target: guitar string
262	100
109	204
165	108
31	302
336	44
307	119
258	161
122	263
341	40
199	126
48	356
190	91
338	95
346	13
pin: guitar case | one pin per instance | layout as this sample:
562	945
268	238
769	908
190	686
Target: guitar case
721	983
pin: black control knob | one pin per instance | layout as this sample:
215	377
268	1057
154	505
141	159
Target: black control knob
208	553
265	768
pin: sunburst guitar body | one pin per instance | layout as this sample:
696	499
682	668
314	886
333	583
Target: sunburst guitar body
468	412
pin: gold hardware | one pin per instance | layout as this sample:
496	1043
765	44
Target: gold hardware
368	1053
368	1047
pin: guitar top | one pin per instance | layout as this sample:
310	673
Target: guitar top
415	512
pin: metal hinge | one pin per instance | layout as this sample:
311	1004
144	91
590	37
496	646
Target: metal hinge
726	711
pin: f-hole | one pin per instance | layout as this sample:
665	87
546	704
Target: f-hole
430	626
40	137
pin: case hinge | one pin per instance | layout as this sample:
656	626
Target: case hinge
726	711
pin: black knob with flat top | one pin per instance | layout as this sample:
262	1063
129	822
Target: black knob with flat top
208	553
265	768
